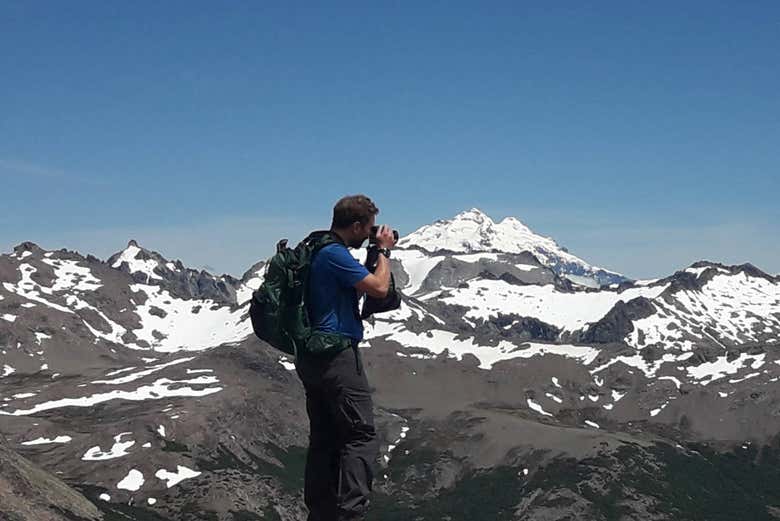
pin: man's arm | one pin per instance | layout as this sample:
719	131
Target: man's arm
376	284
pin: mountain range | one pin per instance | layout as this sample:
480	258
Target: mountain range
516	381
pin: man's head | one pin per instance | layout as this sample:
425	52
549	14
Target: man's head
353	217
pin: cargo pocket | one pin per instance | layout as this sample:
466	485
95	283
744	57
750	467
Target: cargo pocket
355	417
349	411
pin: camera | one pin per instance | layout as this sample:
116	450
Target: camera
390	301
375	230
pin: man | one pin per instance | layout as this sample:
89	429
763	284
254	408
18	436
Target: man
342	439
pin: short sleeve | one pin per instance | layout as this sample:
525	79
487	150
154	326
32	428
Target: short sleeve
344	267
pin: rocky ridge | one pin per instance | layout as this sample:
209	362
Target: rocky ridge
137	381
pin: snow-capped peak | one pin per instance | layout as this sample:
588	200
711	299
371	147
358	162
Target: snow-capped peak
474	214
474	231
137	259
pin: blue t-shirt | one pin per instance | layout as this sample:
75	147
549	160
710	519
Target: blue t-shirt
332	294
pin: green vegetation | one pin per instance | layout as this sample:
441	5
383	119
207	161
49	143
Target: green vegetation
245	515
290	474
196	511
740	484
697	483
485	496
174	446
118	511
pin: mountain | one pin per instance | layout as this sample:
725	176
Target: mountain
473	231
149	267
503	389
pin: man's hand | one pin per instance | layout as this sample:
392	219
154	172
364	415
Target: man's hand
377	284
385	237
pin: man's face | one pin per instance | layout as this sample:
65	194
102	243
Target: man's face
360	233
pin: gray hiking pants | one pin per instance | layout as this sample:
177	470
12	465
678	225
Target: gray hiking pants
343	445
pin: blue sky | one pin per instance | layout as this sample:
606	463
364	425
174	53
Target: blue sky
643	136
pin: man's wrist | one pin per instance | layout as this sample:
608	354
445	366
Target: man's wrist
384	251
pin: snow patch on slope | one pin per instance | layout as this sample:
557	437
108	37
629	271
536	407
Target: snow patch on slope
188	324
568	311
157	390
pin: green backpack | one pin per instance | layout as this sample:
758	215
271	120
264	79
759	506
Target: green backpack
278	308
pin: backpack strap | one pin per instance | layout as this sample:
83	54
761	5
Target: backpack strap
331	238
319	239
316	240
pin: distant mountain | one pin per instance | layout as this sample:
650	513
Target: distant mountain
136	381
473	231
149	267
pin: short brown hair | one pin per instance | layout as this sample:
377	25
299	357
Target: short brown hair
352	208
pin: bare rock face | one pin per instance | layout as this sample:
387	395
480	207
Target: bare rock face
28	493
